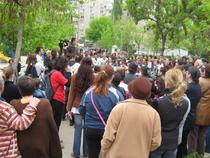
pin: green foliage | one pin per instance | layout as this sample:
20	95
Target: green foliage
124	31
45	24
176	24
97	27
117	9
107	40
194	155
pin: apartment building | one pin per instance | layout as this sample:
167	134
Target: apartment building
90	10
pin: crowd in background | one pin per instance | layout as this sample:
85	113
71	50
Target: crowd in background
139	106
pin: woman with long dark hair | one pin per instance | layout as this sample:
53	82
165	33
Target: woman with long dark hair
31	69
96	105
58	82
80	82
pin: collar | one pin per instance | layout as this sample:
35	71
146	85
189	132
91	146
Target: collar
8	81
138	101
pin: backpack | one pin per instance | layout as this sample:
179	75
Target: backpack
48	86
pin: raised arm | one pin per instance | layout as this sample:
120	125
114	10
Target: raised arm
20	122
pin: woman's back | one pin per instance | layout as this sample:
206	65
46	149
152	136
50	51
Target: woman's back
171	118
41	138
104	105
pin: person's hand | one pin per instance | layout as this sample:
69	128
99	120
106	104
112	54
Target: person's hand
69	115
68	69
34	102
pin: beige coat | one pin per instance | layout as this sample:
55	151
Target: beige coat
203	108
133	130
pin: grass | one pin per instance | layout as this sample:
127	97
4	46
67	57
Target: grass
196	156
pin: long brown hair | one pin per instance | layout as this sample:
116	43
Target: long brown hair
84	76
101	84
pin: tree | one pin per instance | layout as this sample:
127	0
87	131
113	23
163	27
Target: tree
107	40
197	26
124	32
117	10
166	16
177	23
45	23
97	27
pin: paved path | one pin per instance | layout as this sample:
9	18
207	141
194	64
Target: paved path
67	134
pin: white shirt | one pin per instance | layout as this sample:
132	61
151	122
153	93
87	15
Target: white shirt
123	85
39	59
75	68
40	69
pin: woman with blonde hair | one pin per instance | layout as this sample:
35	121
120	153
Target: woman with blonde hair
96	105
173	109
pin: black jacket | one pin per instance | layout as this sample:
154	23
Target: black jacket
10	91
194	94
171	118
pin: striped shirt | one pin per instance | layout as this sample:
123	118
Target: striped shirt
9	122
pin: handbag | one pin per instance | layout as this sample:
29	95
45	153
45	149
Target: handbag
95	107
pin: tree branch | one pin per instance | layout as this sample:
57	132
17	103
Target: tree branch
17	2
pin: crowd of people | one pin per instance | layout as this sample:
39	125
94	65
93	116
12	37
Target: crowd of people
120	107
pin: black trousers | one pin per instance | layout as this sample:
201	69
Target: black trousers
57	108
182	148
93	138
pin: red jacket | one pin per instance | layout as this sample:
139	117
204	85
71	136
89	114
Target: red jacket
58	82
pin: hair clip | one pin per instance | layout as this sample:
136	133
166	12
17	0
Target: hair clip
104	72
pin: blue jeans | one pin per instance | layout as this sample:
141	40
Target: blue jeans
163	154
78	125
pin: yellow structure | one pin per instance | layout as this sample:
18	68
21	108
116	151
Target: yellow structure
3	57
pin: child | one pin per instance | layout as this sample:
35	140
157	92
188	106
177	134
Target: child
38	92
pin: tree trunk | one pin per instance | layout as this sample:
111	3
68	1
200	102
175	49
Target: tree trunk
163	43
20	39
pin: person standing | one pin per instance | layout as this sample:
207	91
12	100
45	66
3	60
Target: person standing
194	94
198	134
172	108
10	121
80	82
131	75
58	82
96	105
32	143
39	55
133	127
9	86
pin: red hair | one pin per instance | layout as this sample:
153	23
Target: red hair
101	84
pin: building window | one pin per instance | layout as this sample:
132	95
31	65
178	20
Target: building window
92	16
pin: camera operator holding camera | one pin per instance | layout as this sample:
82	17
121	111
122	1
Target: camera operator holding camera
68	48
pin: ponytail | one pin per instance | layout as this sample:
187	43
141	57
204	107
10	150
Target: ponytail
177	93
174	82
101	84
